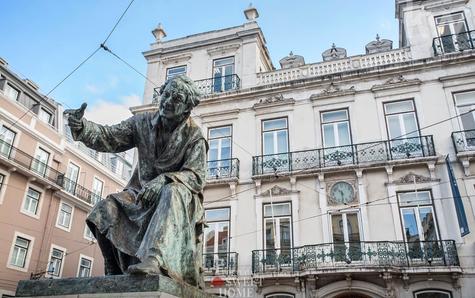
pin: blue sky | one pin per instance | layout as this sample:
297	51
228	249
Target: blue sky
45	39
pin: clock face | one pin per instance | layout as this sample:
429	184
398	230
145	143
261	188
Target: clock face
342	192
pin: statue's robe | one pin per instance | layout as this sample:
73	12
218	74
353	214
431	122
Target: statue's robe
171	228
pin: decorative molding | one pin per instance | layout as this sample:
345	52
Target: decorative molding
273	100
444	5
412	177
397	81
221	50
176	59
219	116
333	90
276	191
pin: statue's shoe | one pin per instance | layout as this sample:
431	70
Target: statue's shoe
149	266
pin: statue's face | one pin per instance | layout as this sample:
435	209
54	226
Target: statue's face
173	104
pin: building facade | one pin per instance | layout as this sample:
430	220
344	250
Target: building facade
349	177
48	184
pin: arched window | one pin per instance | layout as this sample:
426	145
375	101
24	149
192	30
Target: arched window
432	293
280	295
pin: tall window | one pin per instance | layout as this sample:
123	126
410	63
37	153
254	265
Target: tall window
85	267
2	178
336	136
216	244
223	70
20	252
419	223
219	155
403	129
88	234
72	175
346	235
56	262
7	137
97	187
11	92
45	116
65	215
465	102
275	144
176	71
31	202
278	230
452	30
40	163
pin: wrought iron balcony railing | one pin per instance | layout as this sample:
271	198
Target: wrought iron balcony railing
219	84
422	146
464	140
79	191
222	263
223	169
375	254
454	43
17	156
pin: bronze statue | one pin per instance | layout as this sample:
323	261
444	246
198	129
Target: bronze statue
155	225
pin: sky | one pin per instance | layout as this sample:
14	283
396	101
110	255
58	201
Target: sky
44	40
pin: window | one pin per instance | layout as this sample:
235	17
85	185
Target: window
452	31
88	234
216	235
346	236
117	165
278	230
275	145
403	129
419	222
2	178
31	202
11	92
7	137
45	116
465	102
72	175
40	163
336	136
65	215
176	71
223	75
20	252
97	187
432	294
55	265
219	155
85	267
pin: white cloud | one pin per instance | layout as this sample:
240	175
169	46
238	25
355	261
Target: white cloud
93	89
107	112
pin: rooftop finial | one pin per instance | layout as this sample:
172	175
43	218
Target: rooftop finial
291	53
377	37
251	13
159	32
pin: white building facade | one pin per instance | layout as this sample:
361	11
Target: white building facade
331	179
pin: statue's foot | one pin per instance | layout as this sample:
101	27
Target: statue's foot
149	266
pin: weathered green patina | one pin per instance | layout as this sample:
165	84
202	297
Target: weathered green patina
155	225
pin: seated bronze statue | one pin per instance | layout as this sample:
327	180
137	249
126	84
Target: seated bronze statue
155	225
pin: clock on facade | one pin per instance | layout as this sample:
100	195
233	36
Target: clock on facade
342	192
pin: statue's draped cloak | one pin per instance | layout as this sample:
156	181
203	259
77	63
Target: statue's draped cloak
171	229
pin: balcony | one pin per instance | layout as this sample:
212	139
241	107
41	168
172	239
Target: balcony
464	140
223	263
370	255
224	169
219	84
356	154
78	191
454	43
28	165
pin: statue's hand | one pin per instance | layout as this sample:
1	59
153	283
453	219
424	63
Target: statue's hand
151	191
75	117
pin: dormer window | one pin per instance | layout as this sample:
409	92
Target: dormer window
11	92
176	71
45	116
453	33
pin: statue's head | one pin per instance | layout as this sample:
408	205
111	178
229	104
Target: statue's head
179	96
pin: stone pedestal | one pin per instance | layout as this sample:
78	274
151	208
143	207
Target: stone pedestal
109	286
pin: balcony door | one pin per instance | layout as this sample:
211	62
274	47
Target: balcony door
453	32
278	234
465	102
40	163
7	137
403	129
216	240
346	237
72	175
219	154
275	145
223	71
336	137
